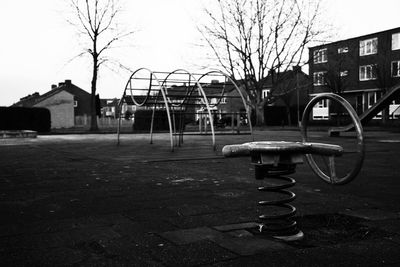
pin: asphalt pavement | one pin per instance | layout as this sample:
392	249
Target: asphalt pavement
81	200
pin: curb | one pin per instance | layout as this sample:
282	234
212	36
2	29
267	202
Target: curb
18	134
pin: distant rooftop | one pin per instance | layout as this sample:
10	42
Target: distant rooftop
33	99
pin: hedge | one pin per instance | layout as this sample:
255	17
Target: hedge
21	118
142	121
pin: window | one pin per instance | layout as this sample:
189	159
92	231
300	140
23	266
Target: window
394	110
342	50
213	101
265	93
396	68
321	110
322	104
75	103
344	73
369	99
396	41
367	72
372	97
320	56
319	78
369	46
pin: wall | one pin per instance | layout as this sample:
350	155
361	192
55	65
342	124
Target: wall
61	106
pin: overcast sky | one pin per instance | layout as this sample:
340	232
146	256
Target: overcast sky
37	44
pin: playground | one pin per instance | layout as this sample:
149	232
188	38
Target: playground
189	193
81	200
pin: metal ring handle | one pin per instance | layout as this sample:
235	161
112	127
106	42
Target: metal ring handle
360	150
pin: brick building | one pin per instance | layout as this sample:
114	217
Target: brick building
65	102
362	69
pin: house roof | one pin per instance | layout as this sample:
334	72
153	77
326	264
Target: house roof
28	101
36	98
286	81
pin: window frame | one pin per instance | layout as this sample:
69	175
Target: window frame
266	93
320	110
320	55
370	99
343	50
397	34
368	43
317	77
372	72
398	68
324	103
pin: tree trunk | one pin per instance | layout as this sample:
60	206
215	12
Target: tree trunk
289	116
93	115
385	116
385	111
260	120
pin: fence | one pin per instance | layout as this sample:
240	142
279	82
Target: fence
104	122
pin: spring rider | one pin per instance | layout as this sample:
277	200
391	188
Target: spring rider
274	160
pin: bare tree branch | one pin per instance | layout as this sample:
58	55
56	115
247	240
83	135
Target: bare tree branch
254	38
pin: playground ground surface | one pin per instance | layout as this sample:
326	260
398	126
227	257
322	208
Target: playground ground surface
81	200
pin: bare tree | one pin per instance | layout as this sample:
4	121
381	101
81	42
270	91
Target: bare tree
336	77
251	38
341	59
97	22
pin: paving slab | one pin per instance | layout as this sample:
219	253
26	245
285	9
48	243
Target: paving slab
390	226
373	214
236	226
187	236
250	245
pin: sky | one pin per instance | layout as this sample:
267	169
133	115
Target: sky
39	48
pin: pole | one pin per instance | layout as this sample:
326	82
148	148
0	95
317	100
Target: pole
298	98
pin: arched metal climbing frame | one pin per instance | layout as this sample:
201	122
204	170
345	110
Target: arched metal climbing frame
159	89
148	90
168	100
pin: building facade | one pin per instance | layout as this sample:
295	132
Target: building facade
65	102
361	69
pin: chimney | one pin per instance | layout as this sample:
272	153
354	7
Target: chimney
53	86
60	84
68	82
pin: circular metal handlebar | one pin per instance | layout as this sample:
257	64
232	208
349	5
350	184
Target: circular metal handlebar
332	177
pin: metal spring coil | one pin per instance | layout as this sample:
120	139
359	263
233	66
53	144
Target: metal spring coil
282	224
